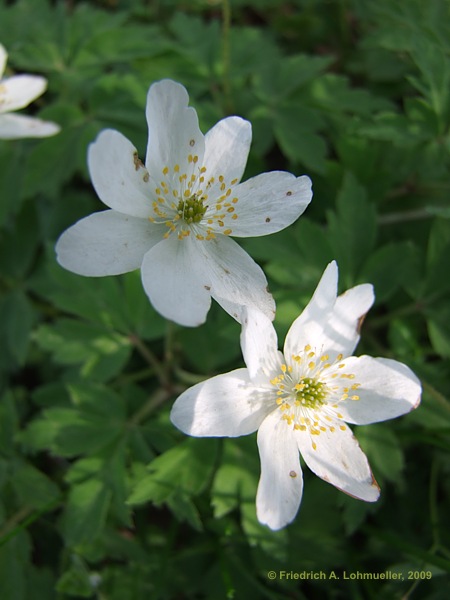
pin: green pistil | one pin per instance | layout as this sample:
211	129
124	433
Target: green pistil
310	393
192	209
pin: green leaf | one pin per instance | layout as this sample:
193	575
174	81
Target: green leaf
352	229
86	510
182	470
32	486
11	181
96	421
19	317
101	353
235	480
76	581
387	268
9	422
15	563
185	510
19	244
383	450
296	130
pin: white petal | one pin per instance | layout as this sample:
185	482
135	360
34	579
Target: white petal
309	325
106	243
173	129
3	60
14	127
236	280
118	176
281	484
176	282
338	459
331	324
228	405
259	346
18	91
268	203
388	389
227	146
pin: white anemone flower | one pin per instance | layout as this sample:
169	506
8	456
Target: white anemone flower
301	401
173	217
15	93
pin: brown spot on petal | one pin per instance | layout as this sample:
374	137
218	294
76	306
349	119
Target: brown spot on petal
289	193
207	287
146	177
292	474
267	219
192	143
360	322
137	161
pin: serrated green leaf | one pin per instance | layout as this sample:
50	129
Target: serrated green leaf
19	317
383	450
76	581
9	423
100	353
352	229
184	469
296	129
32	486
85	512
388	268
185	510
236	479
14	564
96	421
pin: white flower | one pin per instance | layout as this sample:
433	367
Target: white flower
15	93
172	218
302	400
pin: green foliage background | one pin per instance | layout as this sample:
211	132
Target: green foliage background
100	496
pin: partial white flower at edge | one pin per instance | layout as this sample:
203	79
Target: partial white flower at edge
15	93
173	217
301	401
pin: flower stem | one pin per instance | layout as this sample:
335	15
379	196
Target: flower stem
148	355
155	400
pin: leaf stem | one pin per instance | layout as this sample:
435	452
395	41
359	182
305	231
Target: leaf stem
148	355
22	519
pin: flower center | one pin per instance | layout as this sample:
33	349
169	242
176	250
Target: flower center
311	393
192	209
192	201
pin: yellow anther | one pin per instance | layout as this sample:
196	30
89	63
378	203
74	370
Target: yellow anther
227	232
165	170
